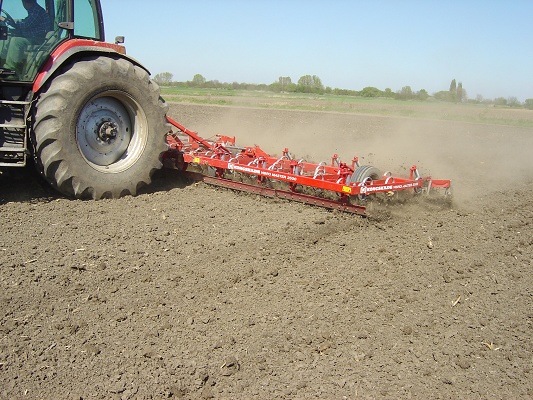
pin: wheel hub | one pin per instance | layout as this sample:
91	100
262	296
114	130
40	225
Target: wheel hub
107	131
104	131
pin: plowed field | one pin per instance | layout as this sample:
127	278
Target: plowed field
189	291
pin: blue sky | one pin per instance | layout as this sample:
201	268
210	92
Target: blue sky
487	45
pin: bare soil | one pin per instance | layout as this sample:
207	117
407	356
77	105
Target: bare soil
189	291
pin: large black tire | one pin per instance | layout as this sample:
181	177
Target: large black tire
99	129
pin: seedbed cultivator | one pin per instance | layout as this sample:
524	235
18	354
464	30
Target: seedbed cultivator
334	184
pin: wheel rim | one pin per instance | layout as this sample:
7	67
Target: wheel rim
111	132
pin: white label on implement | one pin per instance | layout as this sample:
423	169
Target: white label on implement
254	171
386	188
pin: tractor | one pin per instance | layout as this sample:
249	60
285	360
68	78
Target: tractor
85	113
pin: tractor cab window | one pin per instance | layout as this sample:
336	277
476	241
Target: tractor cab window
30	34
87	19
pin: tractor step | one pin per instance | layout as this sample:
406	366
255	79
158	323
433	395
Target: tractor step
13	133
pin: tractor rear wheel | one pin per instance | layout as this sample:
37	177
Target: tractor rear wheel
99	129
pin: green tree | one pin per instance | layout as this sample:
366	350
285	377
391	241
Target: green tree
461	94
443	95
388	93
453	86
198	80
422	94
345	92
370	91
529	104
310	84
406	93
453	90
163	78
284	82
513	102
215	84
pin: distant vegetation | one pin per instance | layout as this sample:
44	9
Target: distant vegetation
312	84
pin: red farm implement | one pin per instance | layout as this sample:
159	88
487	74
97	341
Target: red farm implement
336	185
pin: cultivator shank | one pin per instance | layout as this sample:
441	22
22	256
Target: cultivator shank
335	185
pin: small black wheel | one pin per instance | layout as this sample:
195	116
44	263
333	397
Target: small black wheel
364	175
364	172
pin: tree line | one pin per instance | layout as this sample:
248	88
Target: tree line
312	84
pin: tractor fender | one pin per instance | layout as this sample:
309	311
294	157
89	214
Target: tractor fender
75	49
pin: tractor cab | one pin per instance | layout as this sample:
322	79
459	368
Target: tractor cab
30	30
